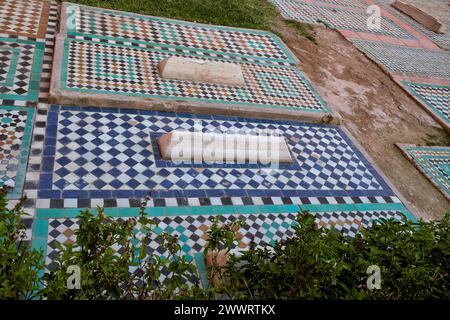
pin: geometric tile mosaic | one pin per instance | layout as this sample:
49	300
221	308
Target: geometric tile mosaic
20	62
339	18
344	3
134	73
433	162
414	61
24	18
93	39
15	136
104	153
435	97
173	35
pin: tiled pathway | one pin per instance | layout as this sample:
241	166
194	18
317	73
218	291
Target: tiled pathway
409	52
81	157
108	157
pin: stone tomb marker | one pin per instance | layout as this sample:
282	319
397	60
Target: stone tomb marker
189	69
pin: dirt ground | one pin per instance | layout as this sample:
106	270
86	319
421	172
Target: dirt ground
375	110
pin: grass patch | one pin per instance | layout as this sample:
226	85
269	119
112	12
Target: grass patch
254	14
301	29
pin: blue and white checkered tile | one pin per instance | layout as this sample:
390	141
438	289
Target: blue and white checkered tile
90	153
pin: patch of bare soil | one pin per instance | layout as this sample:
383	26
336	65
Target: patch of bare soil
375	110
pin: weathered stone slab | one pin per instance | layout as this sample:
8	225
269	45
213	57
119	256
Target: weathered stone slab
182	68
427	20
223	147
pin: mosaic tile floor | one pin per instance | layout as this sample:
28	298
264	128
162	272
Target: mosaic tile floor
101	153
27	30
24	18
177	36
81	157
351	17
414	61
436	98
15	137
88	71
433	162
20	73
329	178
136	44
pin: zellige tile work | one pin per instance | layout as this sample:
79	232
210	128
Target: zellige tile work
442	40
329	178
102	153
27	29
436	98
351	17
20	73
24	18
176	36
84	157
405	60
15	137
433	162
92	39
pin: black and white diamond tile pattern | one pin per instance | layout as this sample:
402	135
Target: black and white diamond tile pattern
113	151
47	63
12	128
405	60
18	59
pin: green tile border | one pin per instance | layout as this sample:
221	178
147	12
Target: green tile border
24	151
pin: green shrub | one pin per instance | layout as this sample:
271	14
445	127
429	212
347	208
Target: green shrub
414	261
134	273
19	264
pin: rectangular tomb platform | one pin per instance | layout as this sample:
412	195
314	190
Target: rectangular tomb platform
109	58
113	158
